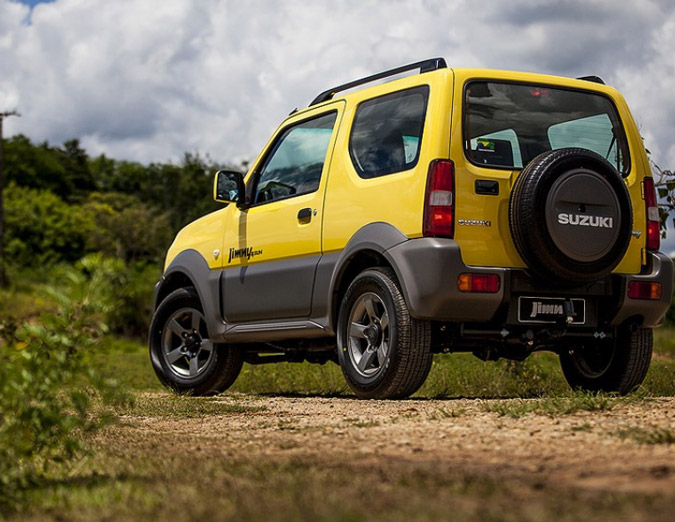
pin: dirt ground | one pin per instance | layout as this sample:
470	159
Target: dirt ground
582	450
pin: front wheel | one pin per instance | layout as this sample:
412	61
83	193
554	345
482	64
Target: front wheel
616	365
383	351
182	355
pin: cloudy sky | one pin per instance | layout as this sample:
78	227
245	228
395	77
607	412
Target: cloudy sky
149	80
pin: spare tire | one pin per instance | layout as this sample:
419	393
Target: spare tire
570	216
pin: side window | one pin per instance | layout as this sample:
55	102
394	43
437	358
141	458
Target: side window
295	164
387	133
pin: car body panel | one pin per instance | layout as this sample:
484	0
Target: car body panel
274	276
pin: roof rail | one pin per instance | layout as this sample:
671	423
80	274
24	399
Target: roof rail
424	66
595	79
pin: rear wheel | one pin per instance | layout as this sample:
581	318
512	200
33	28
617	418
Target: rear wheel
617	365
383	351
182	355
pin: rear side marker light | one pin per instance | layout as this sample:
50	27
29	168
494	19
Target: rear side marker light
479	283
439	200
653	221
644	290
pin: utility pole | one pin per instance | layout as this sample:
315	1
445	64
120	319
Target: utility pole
3	274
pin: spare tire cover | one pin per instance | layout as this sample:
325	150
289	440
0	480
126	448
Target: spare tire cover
570	216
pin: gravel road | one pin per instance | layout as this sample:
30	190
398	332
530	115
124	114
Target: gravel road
615	450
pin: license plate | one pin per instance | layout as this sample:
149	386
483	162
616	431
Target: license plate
549	309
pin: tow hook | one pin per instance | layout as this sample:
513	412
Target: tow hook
568	311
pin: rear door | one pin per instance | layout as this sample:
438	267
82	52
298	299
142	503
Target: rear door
273	247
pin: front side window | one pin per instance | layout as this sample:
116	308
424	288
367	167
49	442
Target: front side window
387	133
508	124
294	167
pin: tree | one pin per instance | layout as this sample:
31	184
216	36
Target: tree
3	275
664	181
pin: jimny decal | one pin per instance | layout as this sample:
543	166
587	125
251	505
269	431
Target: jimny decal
239	253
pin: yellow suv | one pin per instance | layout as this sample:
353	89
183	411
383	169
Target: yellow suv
493	212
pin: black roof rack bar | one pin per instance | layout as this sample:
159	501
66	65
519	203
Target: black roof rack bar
595	79
424	66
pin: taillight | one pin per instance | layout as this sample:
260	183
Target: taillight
644	290
439	200
653	222
480	283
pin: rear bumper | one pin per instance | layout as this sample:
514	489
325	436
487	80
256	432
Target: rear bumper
428	269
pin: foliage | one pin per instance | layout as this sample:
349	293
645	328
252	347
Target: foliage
664	181
128	292
61	204
49	392
133	300
41	228
125	228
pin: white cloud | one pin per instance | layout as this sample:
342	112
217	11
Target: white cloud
149	80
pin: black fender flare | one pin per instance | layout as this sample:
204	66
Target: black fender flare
376	238
191	265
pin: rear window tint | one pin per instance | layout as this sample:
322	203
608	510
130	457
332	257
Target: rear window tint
508	124
387	133
592	133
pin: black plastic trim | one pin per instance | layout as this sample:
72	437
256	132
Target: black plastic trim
428	268
659	269
424	66
592	78
191	264
487	187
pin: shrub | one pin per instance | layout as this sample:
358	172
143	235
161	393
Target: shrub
49	394
41	228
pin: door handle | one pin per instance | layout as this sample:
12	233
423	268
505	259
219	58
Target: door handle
305	215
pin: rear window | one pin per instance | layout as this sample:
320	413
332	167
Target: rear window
508	124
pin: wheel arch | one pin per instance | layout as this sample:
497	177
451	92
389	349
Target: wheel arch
366	249
190	269
177	279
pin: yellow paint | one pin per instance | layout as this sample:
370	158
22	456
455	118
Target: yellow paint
273	228
345	202
397	199
205	235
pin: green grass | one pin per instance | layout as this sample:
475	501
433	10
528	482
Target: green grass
150	478
127	361
555	406
292	379
140	481
664	341
451	376
187	407
648	435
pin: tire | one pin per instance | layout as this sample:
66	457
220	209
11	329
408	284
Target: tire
570	216
383	351
617	365
183	357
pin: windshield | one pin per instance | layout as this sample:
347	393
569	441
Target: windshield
508	124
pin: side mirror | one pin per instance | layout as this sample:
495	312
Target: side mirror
228	187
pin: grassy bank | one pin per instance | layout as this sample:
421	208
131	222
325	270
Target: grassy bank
452	376
158	463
